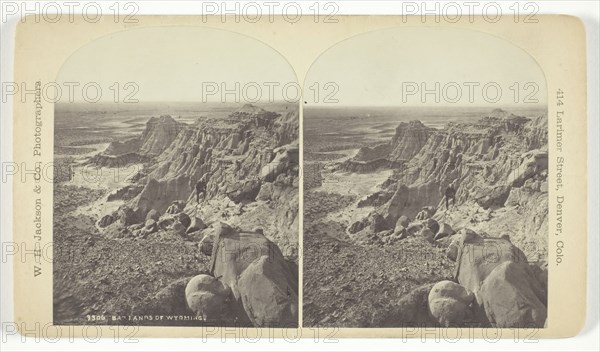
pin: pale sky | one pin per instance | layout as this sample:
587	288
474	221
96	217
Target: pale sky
377	68
382	68
170	64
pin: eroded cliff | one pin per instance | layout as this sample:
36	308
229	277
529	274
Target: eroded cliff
249	161
497	164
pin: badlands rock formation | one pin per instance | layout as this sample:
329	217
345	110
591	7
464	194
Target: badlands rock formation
250	163
498	166
252	151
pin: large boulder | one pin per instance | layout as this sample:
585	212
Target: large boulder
262	286
492	196
449	302
432	225
263	282
402	222
208	298
377	223
153	214
358	226
127	216
178	228
399	234
427	234
184	219
477	256
485	264
510	299
450	289
445	230
243	192
170	300
149	228
106	220
196	225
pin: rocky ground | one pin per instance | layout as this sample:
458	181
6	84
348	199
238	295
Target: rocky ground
349	285
97	276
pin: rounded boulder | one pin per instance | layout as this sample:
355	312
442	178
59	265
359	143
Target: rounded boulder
208	298
377	222
449	302
427	234
153	214
196	225
106	220
444	231
432	225
178	227
402	222
184	219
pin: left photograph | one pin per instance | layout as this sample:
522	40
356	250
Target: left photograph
176	182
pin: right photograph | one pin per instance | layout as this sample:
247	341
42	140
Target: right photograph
425	167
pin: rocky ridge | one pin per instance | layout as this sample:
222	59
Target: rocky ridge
252	153
250	163
498	166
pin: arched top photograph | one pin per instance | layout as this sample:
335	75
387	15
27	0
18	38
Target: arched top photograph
179	143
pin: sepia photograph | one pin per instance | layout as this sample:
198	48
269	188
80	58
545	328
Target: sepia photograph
299	180
426	183
176	199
